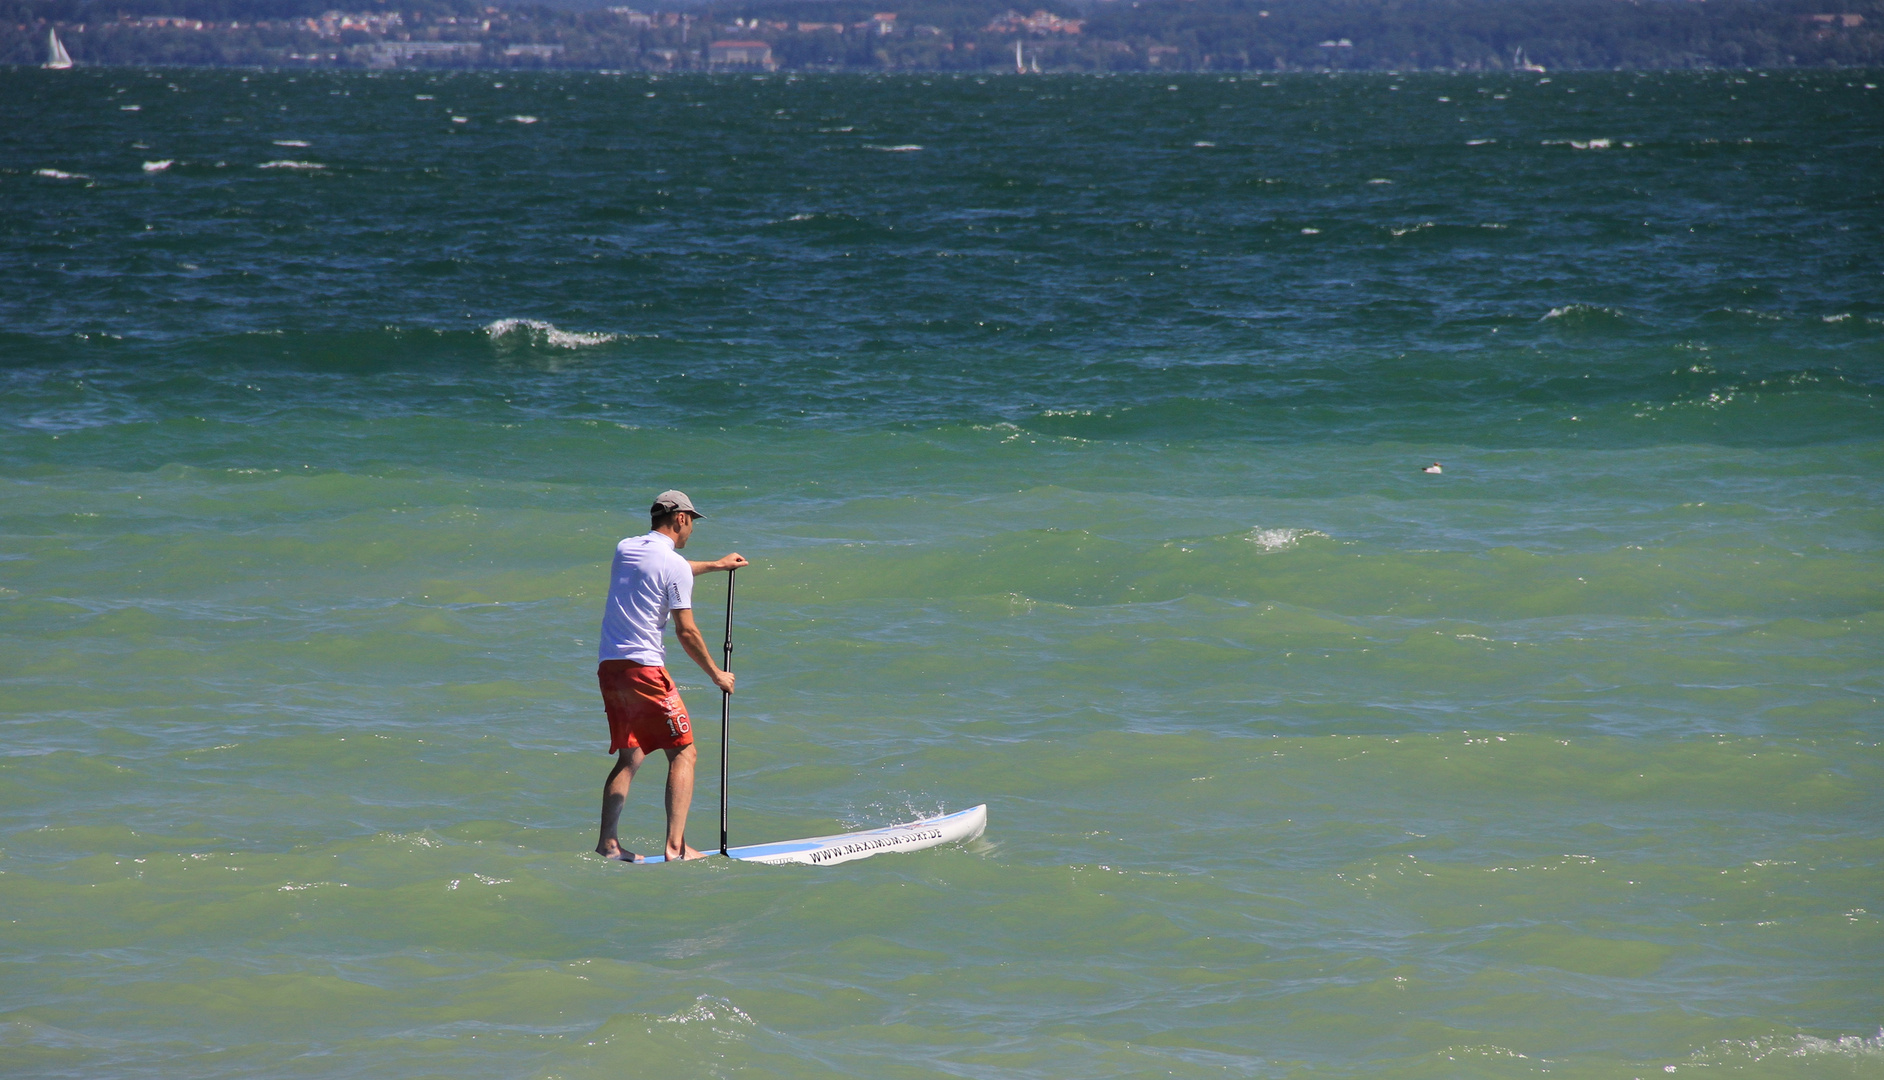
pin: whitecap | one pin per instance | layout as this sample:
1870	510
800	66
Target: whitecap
1280	539
1200	143
424	97
1855	1049
159	166
900	148
1380	180
1582	311
524	119
1479	142
1835	318
707	1008
460	119
130	108
1310	232
284	163
58	174
291	142
538	332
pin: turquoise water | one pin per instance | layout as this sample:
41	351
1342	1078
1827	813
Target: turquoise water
1074	427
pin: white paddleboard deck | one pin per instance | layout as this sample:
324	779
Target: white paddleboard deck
844	847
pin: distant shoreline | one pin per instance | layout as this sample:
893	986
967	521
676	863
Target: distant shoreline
978	36
913	73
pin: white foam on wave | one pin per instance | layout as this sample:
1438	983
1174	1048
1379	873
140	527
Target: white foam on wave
900	148
1588	144
284	163
291	142
159	166
524	119
59	174
538	332
707	1008
1582	311
1280	539
1854	1049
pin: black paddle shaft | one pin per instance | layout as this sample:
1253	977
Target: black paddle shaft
725	706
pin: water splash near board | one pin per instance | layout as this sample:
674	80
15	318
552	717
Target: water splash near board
845	847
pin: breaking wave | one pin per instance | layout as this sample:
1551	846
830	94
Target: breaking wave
538	332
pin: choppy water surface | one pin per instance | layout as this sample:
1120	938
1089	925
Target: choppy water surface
1074	426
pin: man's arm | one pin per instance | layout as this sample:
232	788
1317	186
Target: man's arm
695	644
727	562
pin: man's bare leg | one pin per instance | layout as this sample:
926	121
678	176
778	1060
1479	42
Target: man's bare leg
614	797
679	798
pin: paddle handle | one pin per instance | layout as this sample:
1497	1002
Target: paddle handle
726	663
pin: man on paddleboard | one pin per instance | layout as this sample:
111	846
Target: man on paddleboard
649	582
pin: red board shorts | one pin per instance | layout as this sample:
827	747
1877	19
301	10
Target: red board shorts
644	707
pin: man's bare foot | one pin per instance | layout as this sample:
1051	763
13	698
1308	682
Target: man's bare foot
691	853
614	850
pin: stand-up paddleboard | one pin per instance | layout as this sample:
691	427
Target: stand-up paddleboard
844	847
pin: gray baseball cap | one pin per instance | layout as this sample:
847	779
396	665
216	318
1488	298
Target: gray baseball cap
668	502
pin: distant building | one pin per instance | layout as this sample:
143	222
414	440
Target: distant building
385	54
741	54
534	52
1836	20
1040	22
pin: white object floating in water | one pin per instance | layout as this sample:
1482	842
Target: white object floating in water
1433	468
57	59
844	847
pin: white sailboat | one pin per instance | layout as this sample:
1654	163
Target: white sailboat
1519	62
1019	67
57	58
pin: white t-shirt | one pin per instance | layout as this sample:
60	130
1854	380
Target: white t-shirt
648	581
